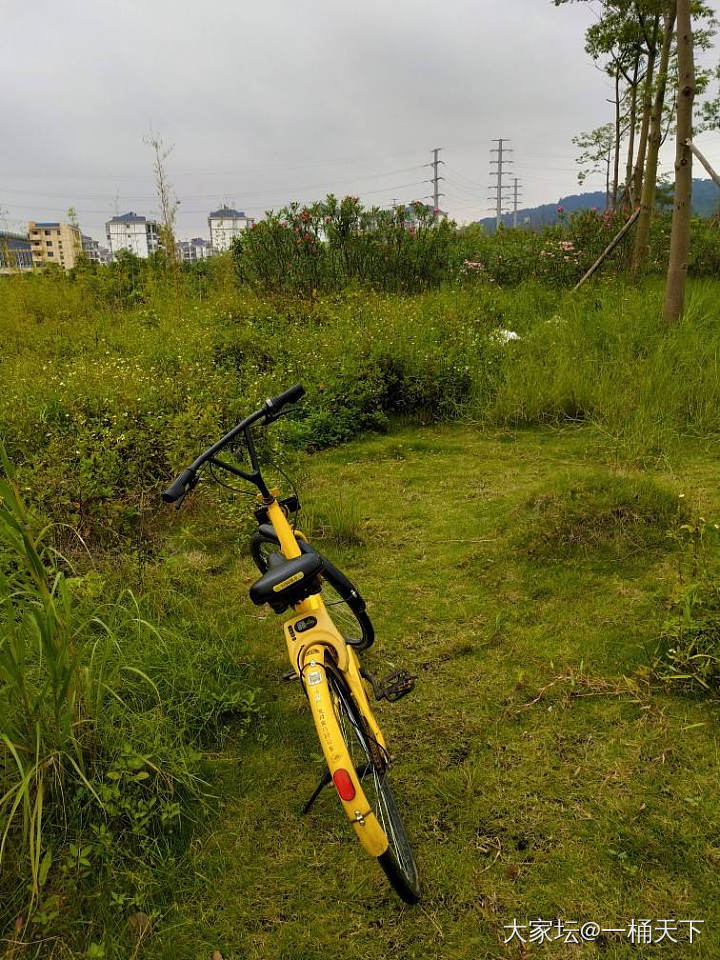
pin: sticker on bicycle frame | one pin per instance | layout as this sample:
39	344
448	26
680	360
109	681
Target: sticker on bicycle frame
313	678
286	583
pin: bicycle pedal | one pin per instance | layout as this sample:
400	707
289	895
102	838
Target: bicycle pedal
289	676
393	687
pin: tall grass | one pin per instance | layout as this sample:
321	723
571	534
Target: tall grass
102	719
605	358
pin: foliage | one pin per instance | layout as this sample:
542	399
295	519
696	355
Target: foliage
604	358
104	406
688	650
99	734
331	243
103	403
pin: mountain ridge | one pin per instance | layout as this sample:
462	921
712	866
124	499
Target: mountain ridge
706	198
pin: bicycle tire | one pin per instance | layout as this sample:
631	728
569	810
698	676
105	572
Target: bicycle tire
346	606
398	861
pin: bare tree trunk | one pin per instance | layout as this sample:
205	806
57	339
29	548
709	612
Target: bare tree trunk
608	162
616	168
647	200
646	110
608	249
628	198
705	162
680	236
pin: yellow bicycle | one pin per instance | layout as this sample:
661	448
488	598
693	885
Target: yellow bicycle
323	651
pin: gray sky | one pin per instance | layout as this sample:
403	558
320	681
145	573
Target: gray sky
271	100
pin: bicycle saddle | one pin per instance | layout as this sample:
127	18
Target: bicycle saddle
287	582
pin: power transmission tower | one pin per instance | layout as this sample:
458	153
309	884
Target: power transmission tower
502	162
435	181
516	183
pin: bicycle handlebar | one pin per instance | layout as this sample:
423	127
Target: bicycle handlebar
270	410
292	395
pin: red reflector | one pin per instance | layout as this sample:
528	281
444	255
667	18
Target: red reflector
344	785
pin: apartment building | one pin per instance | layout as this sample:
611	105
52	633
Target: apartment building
93	251
58	243
225	224
132	232
190	251
15	252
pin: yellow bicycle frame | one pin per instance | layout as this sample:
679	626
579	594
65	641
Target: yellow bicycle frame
309	652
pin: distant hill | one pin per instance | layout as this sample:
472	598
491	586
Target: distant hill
706	199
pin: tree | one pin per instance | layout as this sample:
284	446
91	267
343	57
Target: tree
168	212
682	207
649	184
596	152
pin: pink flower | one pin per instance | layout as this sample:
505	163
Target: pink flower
561	210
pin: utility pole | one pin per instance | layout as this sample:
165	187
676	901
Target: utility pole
435	181
501	163
515	200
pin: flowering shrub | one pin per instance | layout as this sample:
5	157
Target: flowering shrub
560	253
325	246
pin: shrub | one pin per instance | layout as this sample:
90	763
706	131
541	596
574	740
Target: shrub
332	243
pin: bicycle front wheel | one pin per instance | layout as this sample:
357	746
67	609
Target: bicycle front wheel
371	763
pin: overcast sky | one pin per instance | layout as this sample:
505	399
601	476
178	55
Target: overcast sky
266	101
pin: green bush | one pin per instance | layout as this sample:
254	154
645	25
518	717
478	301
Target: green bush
606	358
329	244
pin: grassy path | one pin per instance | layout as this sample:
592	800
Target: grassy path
536	782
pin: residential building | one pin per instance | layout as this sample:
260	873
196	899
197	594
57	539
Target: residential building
132	232
190	251
15	252
93	251
225	224
58	243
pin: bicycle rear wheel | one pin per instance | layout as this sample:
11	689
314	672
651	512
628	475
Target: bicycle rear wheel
371	763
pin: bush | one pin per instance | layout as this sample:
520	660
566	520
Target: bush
326	246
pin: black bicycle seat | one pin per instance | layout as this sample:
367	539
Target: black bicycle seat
287	582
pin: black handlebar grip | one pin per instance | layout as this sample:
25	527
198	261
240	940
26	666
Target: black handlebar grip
287	396
179	486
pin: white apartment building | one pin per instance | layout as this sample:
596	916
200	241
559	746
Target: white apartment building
190	251
225	224
132	232
93	251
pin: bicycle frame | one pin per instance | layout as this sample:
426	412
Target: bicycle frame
308	651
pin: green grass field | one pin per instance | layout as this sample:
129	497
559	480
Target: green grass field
504	507
541	774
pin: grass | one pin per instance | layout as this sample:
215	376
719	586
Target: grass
103	402
541	774
519	560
